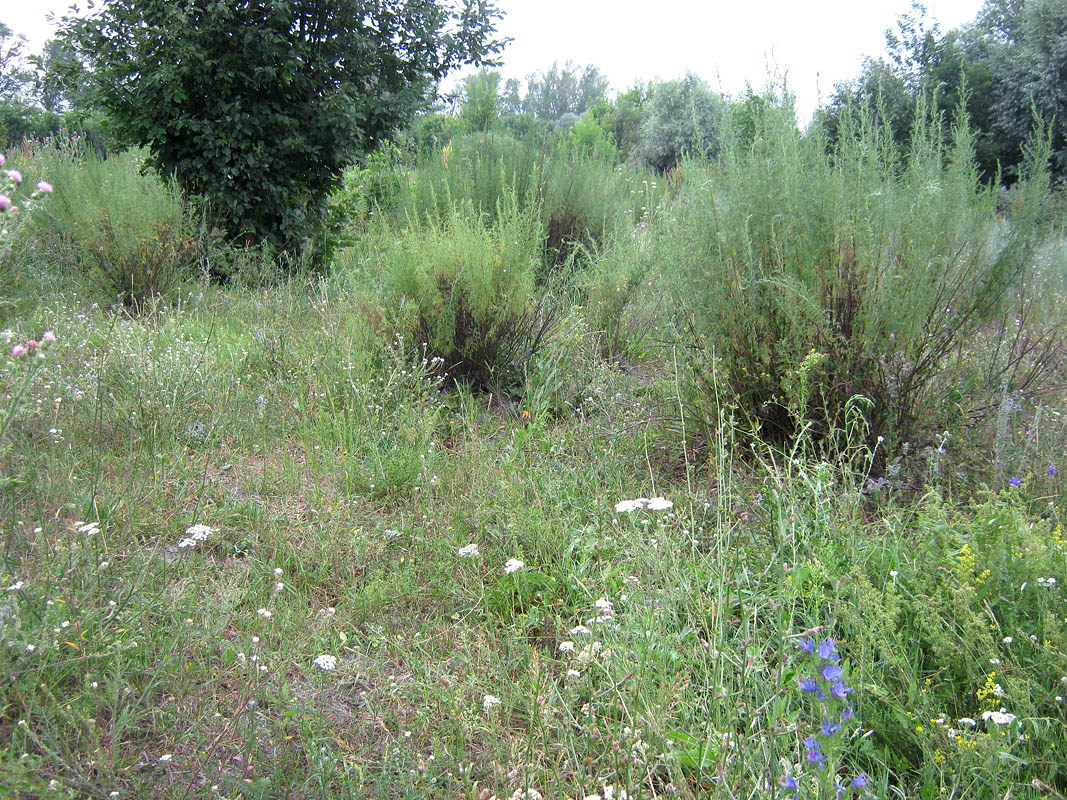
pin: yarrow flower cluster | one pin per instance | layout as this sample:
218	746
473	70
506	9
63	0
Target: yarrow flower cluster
823	680
513	565
325	662
195	534
652	504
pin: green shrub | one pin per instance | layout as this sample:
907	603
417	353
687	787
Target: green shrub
462	288
803	280
581	201
118	226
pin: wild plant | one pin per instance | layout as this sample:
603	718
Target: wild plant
464	289
126	232
865	271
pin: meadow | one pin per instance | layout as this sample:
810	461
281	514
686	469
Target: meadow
560	479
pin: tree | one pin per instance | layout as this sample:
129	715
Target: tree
682	118
14	77
564	90
480	103
256	105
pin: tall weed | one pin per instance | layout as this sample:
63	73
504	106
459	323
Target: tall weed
812	278
123	230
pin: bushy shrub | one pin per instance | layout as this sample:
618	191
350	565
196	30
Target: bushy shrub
804	280
118	226
581	201
681	118
462	289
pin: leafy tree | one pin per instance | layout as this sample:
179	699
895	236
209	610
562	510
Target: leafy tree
256	105
14	77
480	103
60	80
682	118
1032	73
563	90
622	117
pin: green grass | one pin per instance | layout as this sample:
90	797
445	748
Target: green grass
341	479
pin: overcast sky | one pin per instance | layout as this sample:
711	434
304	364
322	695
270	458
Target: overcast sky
814	44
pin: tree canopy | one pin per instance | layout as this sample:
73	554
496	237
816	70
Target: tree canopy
256	105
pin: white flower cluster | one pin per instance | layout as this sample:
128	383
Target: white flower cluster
195	534
468	551
325	662
652	504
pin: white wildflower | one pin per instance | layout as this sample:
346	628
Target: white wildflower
573	673
187	543
580	630
604	607
967	721
628	506
15	586
166	757
199	532
88	528
998	717
468	551
264	613
1008	640
566	647
659	504
513	565
325	662
489	701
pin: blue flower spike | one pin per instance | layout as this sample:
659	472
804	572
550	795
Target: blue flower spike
806	644
831	672
827	651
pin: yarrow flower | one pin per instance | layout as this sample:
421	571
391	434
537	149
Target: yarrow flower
998	717
325	662
659	504
264	613
468	551
199	532
489	701
627	506
513	565
566	647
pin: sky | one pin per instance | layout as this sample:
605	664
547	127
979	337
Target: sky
728	43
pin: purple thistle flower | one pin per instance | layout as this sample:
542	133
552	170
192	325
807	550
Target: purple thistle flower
809	685
827	651
1015	481
839	690
831	672
807	645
